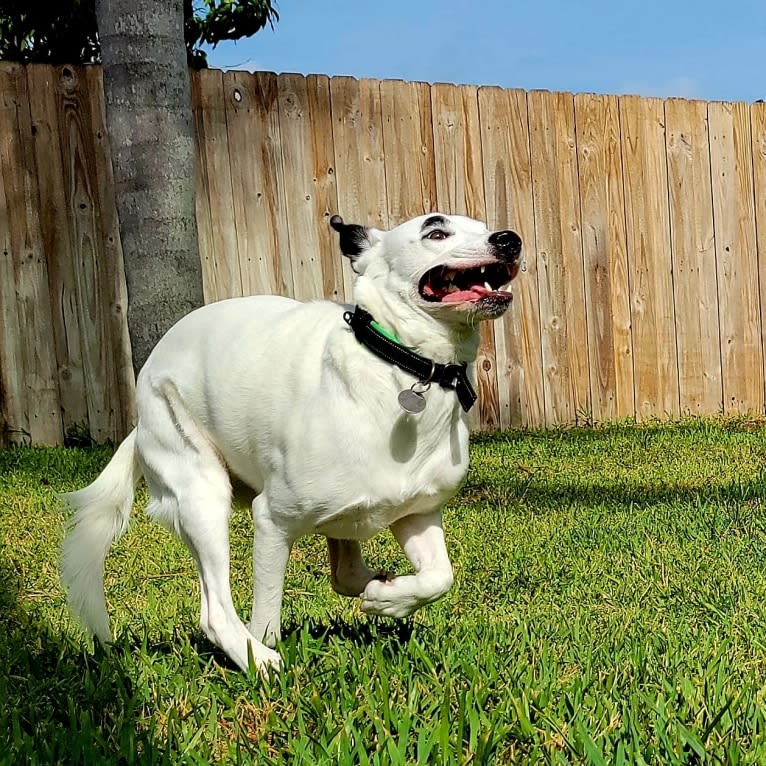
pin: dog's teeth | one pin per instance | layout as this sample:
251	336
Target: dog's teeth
481	270
488	285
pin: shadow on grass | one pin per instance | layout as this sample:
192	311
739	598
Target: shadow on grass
541	492
355	633
58	703
390	635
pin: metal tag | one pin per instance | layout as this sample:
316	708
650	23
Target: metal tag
412	401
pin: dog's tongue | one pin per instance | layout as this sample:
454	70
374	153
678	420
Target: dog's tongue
473	294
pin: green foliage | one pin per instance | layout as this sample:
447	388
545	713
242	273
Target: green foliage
48	31
65	32
208	22
609	607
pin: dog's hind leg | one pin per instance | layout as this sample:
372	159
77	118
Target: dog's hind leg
348	572
204	528
271	551
422	540
191	493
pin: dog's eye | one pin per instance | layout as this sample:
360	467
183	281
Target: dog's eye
437	234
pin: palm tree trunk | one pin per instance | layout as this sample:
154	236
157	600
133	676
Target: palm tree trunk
148	115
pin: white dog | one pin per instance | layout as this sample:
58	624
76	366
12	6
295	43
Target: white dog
342	425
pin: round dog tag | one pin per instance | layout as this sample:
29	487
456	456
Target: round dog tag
412	401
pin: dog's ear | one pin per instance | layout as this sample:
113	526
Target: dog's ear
354	239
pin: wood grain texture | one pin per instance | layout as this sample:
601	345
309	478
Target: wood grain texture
694	261
605	260
14	401
80	119
94	272
111	269
81	261
559	252
408	149
217	226
509	203
758	130
460	190
255	165
298	167
325	193
641	291
358	148
649	257
373	155
59	242
32	292
731	164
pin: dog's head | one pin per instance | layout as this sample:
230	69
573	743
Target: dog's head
450	266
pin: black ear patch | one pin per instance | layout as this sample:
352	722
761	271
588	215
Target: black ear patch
354	239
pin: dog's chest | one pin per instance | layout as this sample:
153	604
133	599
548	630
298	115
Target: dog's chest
374	484
383	500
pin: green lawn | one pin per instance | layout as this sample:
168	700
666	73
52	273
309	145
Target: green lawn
609	607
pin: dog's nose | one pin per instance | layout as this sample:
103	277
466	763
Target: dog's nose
507	243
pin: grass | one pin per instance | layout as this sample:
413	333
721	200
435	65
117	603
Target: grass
609	607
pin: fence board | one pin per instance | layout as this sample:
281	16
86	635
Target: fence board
217	226
67	155
559	252
14	425
31	272
649	258
373	154
32	289
508	188
68	333
733	210
460	191
13	410
409	149
694	262
357	143
347	131
325	194
254	168
298	164
602	211
457	150
641	289
111	300
758	129
83	155
261	180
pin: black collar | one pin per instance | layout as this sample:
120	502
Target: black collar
452	376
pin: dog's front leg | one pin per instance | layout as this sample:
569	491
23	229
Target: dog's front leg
422	540
348	573
271	551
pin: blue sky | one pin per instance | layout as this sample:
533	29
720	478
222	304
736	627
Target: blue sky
709	50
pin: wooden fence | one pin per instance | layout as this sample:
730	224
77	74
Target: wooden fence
640	294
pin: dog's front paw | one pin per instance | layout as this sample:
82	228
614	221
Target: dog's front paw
389	597
266	660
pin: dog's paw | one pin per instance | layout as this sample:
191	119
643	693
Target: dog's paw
384	596
265	660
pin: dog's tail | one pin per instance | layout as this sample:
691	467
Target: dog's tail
102	511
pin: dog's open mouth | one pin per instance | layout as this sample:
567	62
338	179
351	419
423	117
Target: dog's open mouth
452	284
